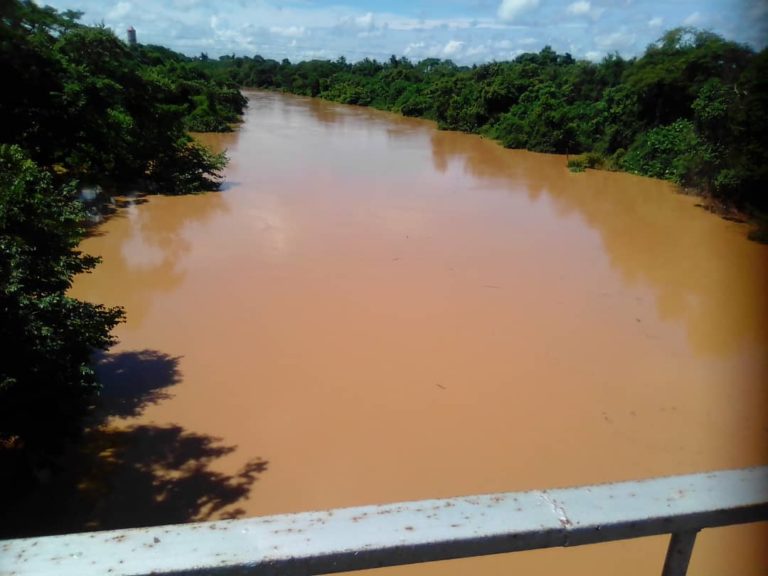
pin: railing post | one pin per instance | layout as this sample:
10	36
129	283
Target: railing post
679	553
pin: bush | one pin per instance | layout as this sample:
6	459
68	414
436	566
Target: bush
186	168
577	164
588	160
595	160
673	152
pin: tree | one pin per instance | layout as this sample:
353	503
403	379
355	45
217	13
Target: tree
84	103
46	384
674	152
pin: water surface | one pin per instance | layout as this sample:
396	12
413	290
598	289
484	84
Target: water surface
374	311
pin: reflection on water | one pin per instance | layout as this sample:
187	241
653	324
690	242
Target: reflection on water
702	273
391	313
146	251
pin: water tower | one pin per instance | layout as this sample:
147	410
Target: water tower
131	36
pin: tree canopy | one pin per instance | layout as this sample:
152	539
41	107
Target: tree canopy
83	102
46	383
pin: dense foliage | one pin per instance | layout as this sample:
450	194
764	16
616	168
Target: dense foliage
83	102
79	107
693	109
45	380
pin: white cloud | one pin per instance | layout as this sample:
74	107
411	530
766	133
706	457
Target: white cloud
511	9
594	55
579	8
693	19
620	40
452	48
414	48
365	21
476	51
401	23
362	21
289	31
472	31
120	10
585	8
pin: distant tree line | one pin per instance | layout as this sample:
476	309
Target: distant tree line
692	109
79	107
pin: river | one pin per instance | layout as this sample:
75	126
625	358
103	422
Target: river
373	311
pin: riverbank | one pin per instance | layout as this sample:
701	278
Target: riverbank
689	110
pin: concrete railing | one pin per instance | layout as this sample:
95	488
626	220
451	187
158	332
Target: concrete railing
394	534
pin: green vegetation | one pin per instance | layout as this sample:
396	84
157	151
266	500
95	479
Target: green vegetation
79	107
98	111
693	109
45	379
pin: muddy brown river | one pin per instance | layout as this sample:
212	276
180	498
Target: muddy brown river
374	311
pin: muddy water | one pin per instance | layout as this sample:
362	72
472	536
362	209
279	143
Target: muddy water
383	312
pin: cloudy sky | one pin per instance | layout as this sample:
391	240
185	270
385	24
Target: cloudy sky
466	31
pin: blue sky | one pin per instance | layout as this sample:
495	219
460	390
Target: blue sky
466	31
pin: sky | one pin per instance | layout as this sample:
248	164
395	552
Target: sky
466	31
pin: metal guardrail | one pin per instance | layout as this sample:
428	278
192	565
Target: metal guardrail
374	536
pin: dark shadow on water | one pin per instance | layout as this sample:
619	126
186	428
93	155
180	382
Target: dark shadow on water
134	380
127	476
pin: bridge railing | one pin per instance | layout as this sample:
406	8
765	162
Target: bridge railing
349	539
